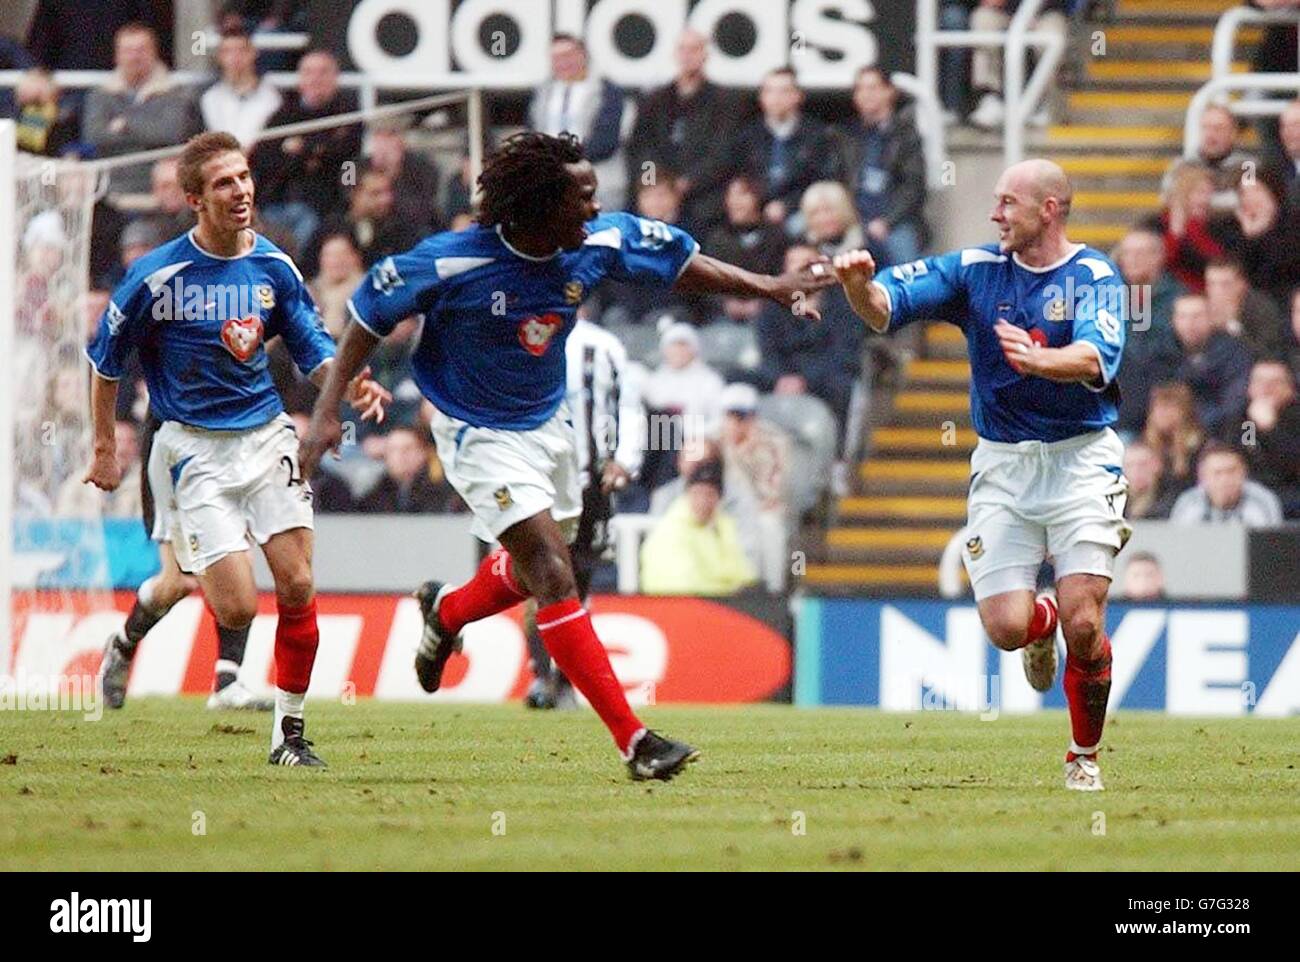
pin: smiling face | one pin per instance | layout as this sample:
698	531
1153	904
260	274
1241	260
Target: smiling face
226	202
1018	212
579	206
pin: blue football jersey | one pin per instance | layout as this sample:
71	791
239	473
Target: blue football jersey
1079	299
200	323
495	319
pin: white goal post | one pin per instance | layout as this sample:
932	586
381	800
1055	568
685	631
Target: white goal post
8	296
56	587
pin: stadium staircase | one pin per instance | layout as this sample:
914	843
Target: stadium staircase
1121	126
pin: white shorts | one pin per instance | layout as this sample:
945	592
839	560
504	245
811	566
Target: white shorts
213	490
1035	500
507	476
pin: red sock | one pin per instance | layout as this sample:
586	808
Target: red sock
567	632
1087	689
489	592
296	639
1043	623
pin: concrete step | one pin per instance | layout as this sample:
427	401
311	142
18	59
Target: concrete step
912	509
1121	74
1186	12
892	438
934	441
878	578
938	372
1116	136
892	477
1124	102
1101	236
1110	200
943	403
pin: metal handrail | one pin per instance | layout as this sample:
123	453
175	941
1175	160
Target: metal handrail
1020	100
1224	43
1216	91
929	123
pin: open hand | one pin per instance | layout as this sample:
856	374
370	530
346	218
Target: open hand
369	397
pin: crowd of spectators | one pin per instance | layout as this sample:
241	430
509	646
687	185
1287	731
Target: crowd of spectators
1211	407
1212	360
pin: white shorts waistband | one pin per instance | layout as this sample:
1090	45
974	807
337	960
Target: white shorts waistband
1044	447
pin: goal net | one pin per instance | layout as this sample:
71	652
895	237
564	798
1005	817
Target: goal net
57	572
70	556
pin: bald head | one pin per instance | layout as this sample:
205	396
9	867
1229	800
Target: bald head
1038	180
1032	202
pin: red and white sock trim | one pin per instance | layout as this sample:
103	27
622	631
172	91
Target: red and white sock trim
548	625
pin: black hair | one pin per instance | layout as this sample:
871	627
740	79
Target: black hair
524	183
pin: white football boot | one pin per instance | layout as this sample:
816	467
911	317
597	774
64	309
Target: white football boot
1083	775
235	697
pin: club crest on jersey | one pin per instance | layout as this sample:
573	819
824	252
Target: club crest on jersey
504	500
535	333
975	547
266	295
573	292
242	338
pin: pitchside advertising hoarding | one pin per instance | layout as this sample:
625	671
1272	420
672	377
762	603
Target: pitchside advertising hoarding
919	655
503	44
662	649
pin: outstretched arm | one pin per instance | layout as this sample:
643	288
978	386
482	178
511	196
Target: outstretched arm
326	431
856	270
708	275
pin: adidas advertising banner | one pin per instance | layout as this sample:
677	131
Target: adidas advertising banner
923	655
504	44
663	649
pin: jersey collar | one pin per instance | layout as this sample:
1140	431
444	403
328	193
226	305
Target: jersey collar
217	257
1075	250
518	253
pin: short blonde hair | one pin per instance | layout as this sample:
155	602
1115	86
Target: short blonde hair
833	194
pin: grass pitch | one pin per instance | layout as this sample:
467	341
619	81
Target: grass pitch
425	787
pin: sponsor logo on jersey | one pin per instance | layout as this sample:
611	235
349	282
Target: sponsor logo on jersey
266	295
386	279
504	500
242	338
1056	310
975	547
115	318
573	292
535	333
